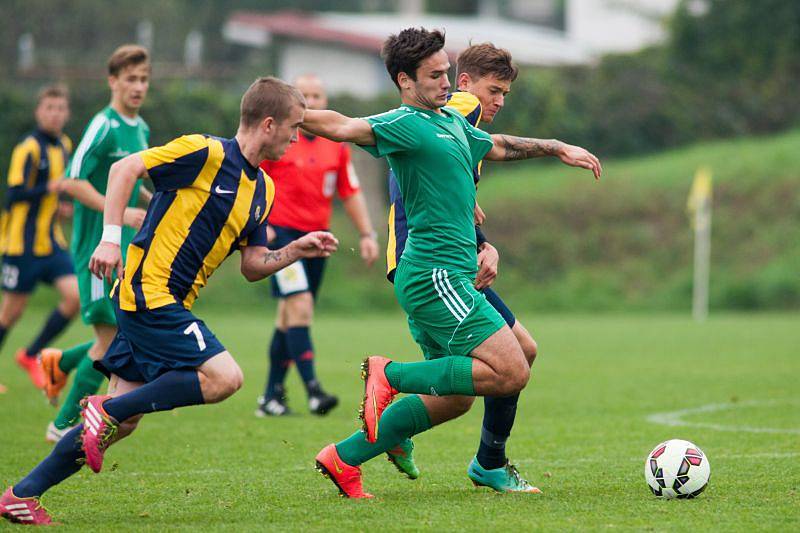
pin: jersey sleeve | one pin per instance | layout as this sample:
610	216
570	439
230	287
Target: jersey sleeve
394	132
479	141
91	149
346	180
176	164
468	105
24	159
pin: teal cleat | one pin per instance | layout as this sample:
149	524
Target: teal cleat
402	456
503	479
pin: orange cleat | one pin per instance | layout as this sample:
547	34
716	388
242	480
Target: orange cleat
55	378
347	478
31	366
378	394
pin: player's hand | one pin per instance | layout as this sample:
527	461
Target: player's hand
133	217
480	216
369	249
575	156
106	259
315	244
55	186
488	259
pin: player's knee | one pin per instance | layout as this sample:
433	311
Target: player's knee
530	349
70	306
515	375
229	383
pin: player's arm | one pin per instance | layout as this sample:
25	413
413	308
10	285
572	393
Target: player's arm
356	208
338	127
24	160
122	178
145	195
511	148
258	262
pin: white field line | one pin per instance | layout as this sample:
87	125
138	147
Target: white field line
675	418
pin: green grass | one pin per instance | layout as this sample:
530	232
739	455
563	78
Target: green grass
582	435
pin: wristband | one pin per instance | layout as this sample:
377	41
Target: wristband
112	233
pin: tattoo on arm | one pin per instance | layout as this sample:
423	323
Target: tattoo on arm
272	256
524	148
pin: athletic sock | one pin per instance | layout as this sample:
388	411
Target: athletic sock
403	419
3	332
498	419
298	343
437	377
62	462
279	362
176	388
71	357
87	382
56	323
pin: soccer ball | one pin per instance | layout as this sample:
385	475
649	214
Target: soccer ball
677	469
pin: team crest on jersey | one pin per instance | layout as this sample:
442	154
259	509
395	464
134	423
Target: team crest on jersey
257	214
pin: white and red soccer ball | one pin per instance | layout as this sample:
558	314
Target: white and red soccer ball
677	469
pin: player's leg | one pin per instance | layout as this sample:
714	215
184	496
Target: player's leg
11	309
64	460
273	401
17	286
57	270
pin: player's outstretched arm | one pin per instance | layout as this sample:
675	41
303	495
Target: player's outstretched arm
122	177
511	148
337	127
258	262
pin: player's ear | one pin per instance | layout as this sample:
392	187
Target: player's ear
112	82
463	81
404	80
268	124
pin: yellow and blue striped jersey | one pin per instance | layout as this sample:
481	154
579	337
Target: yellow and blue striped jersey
29	224
468	105
208	202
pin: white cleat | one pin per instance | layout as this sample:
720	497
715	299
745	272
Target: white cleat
53	434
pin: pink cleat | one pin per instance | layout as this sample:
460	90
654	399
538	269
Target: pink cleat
23	510
98	430
378	394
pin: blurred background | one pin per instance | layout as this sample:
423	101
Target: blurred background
658	89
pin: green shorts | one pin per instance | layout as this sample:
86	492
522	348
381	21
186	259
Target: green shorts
96	306
446	314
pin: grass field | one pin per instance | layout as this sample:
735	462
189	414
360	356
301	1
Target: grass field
582	435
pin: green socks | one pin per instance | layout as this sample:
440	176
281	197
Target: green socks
87	381
401	420
437	377
72	357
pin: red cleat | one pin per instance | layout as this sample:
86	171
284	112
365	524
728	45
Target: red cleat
98	431
347	478
55	378
23	510
378	394
31	366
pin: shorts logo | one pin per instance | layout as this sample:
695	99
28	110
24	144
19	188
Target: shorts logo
433	392
10	276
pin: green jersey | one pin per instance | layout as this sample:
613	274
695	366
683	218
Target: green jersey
433	156
108	138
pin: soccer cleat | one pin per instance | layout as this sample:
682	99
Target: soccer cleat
53	434
31	366
346	478
402	457
3	389
98	431
55	378
23	510
320	403
503	479
272	407
378	394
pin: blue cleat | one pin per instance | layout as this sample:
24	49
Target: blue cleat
503	479
402	457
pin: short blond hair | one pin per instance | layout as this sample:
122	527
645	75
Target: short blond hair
57	90
268	97
125	56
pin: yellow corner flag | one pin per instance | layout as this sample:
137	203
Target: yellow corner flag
701	190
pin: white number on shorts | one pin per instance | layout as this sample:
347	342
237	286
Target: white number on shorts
195	329
10	276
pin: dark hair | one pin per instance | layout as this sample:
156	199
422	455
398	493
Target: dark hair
52	91
406	50
125	56
268	97
481	59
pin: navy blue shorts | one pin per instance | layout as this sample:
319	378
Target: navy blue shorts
304	275
501	306
149	343
21	273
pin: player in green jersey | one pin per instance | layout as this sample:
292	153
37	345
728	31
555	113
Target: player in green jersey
113	133
469	349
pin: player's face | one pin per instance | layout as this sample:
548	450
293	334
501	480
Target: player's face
312	90
490	90
431	87
129	87
51	114
279	135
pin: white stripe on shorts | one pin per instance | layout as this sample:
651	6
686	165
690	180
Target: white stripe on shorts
447	299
